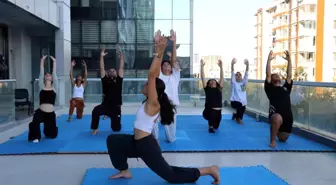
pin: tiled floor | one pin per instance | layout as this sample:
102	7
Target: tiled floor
295	168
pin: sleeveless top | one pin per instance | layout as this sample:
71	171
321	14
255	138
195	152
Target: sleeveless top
47	97
143	121
78	92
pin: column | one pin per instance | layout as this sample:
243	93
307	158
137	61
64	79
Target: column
63	51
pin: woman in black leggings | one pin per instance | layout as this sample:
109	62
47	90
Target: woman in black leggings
143	144
213	98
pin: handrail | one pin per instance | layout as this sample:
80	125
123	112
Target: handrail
301	83
8	80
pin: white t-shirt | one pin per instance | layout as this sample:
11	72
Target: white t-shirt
238	89
172	82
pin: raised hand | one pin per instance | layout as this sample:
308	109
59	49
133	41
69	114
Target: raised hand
169	54
157	37
246	62
83	63
287	56
234	61
172	36
44	57
161	44
103	53
202	63
270	56
220	63
73	63
52	58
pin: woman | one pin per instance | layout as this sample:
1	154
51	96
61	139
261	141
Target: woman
48	84
213	98
78	85
238	91
142	143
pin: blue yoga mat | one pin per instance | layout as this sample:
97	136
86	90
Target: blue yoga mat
254	175
192	136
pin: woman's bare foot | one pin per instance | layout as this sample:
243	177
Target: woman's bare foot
215	174
122	174
272	144
94	132
69	119
239	121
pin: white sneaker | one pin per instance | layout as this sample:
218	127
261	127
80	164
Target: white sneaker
35	141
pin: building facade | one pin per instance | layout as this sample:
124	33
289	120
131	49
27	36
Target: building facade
307	28
129	25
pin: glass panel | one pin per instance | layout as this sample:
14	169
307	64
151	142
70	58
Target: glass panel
181	9
126	31
90	31
252	95
163	9
108	31
91	50
75	50
143	56
75	31
85	3
300	104
322	111
143	9
164	25
75	3
145	31
129	56
182	28
7	99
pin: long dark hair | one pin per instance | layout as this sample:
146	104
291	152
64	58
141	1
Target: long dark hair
167	108
217	84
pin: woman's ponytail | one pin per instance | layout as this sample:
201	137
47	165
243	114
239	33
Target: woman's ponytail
167	110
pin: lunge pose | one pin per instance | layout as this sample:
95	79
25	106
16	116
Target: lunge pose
238	91
78	85
170	75
280	113
142	144
112	99
213	98
48	83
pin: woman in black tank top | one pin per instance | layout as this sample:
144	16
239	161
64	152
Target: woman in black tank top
213	98
48	83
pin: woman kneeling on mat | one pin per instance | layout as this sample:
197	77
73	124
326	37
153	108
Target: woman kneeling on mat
238	91
213	98
143	144
78	85
48	84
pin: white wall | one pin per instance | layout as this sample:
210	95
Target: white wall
328	44
20	58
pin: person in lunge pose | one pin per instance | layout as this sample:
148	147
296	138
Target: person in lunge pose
280	113
78	85
213	98
143	144
112	99
48	83
238	91
170	75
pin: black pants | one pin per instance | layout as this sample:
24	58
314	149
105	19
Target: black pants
214	117
50	129
240	109
114	112
123	146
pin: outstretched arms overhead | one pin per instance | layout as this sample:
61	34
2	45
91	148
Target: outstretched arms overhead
202	73
289	67
221	80
101	63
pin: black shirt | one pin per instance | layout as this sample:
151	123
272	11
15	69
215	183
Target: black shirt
279	97
112	90
47	96
213	97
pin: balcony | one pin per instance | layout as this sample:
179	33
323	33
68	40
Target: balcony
313	106
306	16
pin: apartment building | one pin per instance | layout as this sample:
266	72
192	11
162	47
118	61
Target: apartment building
211	68
307	28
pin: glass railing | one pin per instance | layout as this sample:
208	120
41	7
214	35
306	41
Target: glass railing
7	101
313	104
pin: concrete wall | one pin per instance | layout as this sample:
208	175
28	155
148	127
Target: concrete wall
20	58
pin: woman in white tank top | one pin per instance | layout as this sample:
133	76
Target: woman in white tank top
78	85
143	144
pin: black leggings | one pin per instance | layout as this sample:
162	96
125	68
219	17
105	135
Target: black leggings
214	117
50	129
240	109
114	112
122	146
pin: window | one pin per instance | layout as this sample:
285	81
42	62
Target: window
312	8
335	24
335	57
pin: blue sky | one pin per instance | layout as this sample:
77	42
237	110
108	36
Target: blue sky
226	28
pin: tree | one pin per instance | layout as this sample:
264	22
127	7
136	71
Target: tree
299	74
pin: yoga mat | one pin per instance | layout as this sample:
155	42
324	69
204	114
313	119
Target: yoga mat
192	136
254	175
